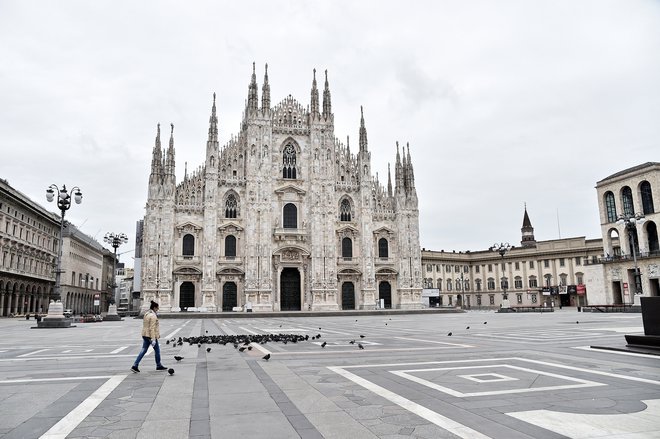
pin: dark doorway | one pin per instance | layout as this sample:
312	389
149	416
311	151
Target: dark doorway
385	293
186	295
617	298
229	296
290	290
347	295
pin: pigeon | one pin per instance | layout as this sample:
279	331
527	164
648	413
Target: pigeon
207	332
199	345
167	342
241	349
360	346
352	342
170	371
449	335
177	358
485	323
578	322
249	348
323	344
361	336
319	328
280	326
467	327
356	320
385	323
266	357
208	349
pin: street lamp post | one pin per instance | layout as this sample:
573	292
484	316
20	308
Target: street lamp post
630	223
55	317
115	240
502	248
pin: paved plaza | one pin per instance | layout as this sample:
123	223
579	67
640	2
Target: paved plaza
501	376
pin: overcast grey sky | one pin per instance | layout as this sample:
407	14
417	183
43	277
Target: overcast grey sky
503	102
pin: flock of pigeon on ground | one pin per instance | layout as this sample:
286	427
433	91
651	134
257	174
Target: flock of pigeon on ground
244	342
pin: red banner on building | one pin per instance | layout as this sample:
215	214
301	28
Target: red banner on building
581	289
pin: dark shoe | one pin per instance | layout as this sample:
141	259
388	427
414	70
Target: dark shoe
161	368
135	369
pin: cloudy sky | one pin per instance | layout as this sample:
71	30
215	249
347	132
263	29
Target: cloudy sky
503	102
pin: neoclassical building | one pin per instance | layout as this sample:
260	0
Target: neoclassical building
631	192
29	236
284	216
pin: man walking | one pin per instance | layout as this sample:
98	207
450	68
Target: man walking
150	336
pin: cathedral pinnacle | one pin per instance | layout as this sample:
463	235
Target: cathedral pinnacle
253	94
265	93
363	132
156	160
315	98
327	105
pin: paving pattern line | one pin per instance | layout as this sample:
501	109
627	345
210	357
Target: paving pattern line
67	424
450	425
43	380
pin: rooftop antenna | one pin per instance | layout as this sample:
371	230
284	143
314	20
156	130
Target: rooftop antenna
558	228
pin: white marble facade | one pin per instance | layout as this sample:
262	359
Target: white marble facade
283	217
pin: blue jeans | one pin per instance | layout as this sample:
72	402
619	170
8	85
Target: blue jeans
146	342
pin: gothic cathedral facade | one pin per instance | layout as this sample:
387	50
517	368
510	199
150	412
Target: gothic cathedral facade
283	217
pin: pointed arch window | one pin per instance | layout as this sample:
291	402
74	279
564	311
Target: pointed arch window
647	197
610	207
626	195
231	206
230	246
383	248
345	210
289	162
347	248
188	245
290	216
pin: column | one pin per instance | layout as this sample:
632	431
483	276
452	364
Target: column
2	305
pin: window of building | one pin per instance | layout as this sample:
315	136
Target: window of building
579	278
517	265
449	299
466	285
546	263
534	298
626	196
533	282
476	269
383	248
647	197
578	260
531	264
548	280
491	283
73	278
345	210
230	246
610	207
347	247
478	299
290	216
188	245
518	283
562	279
231	206
439	284
491	298
449	284
490	268
457	269
519	298
562	262
429	268
289	162
477	282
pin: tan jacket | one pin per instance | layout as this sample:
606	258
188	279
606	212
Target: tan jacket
150	325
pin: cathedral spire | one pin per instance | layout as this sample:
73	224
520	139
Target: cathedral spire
363	132
327	105
411	173
265	93
212	142
169	161
348	148
315	98
156	160
398	172
253	94
389	181
527	230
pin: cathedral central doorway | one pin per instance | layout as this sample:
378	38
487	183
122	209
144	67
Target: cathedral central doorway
186	295
347	295
385	294
229	296
290	290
